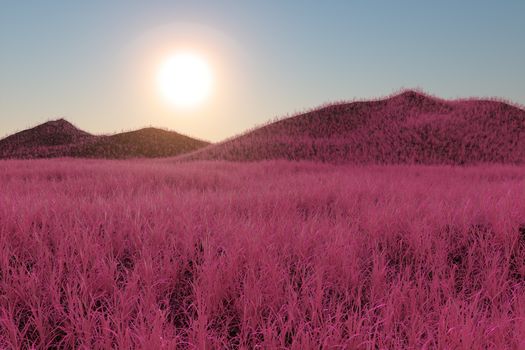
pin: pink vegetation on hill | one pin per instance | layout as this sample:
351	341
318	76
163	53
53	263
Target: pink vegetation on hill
410	127
407	128
143	143
59	138
56	135
144	254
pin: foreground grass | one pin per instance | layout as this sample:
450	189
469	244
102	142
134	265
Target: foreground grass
148	254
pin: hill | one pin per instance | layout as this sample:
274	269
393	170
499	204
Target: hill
148	143
59	138
410	127
52	135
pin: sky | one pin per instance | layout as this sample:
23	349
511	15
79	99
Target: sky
95	62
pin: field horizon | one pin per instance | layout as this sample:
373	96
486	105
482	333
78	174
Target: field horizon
407	127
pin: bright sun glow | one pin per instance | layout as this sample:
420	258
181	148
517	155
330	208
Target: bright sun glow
185	79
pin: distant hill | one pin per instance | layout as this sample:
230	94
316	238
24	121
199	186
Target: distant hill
49	137
148	142
59	138
410	127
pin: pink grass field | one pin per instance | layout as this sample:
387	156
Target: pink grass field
156	254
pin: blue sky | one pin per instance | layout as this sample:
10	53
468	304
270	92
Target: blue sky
93	62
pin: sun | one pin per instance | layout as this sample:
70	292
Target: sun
185	79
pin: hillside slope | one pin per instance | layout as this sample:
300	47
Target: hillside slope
47	138
60	138
410	127
148	143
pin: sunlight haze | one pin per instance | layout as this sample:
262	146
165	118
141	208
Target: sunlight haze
96	63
